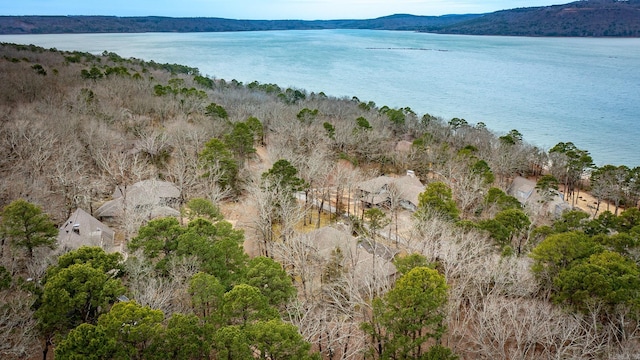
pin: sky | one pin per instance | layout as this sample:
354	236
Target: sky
263	9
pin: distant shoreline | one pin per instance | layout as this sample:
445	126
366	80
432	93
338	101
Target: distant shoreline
577	19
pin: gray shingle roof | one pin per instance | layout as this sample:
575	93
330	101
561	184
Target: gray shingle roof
147	193
376	191
82	229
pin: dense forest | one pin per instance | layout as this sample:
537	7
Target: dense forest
274	223
114	24
595	18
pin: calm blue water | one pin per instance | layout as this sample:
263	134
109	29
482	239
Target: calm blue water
550	89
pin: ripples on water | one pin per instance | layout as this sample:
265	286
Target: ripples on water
551	89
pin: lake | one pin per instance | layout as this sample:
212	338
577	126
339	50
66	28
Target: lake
583	90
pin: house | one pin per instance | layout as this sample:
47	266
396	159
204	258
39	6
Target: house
379	191
522	188
525	191
375	192
358	258
154	198
409	188
82	229
151	192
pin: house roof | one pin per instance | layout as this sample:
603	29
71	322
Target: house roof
325	240
83	229
522	188
376	199
409	188
149	188
376	185
525	191
164	211
147	193
111	208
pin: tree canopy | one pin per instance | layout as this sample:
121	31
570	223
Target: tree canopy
559	251
437	199
218	162
26	226
217	246
75	295
284	176
269	277
410	314
605	278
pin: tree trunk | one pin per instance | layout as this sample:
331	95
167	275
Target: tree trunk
45	351
306	201
396	229
349	201
266	244
319	214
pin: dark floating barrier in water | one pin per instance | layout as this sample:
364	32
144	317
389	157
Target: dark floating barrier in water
408	48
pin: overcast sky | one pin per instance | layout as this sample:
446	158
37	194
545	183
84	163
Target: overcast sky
262	9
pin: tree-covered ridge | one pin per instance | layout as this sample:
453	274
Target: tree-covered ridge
592	18
610	18
283	248
113	24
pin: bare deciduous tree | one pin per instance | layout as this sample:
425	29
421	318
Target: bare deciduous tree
166	293
18	332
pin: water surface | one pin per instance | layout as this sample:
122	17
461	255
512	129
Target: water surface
582	90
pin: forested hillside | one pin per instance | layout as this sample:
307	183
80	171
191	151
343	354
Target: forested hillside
610	18
253	221
114	24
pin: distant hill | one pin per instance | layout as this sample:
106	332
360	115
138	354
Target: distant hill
113	24
580	18
613	18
